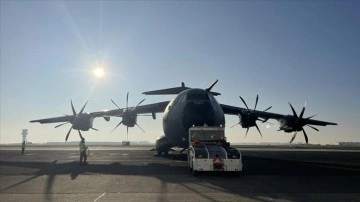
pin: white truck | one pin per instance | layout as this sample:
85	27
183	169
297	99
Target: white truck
209	151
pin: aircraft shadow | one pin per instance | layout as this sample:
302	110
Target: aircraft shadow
260	175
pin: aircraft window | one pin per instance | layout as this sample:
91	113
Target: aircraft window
202	96
177	99
182	99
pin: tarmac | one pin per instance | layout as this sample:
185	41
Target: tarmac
136	174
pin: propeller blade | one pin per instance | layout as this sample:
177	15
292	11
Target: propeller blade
95	129
258	129
247	130
117	126
256	102
212	85
310	117
306	137
235	125
313	127
67	135
140	127
127	99
127	133
293	110
138	104
265	120
115	103
81	137
293	137
244	102
267	109
82	109
61	124
302	111
73	109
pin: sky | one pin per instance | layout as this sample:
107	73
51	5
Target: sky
283	51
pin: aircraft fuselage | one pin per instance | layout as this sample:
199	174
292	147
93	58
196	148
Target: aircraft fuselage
192	107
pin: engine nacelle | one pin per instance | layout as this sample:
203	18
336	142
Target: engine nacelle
247	119
129	118
82	122
288	124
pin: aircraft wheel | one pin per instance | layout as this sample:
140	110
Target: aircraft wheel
165	153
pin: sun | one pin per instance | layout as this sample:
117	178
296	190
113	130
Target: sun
99	72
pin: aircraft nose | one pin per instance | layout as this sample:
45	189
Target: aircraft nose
198	114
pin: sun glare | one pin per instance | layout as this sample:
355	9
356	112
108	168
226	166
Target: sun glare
99	72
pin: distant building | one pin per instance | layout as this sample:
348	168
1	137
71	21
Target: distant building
125	143
353	144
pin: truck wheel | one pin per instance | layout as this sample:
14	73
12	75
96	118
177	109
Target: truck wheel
237	173
195	172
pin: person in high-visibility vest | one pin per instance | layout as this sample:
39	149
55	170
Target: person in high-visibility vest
83	148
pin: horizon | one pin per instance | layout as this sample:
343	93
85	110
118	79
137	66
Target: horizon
283	51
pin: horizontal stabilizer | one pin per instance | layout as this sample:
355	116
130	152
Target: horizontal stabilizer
172	91
167	91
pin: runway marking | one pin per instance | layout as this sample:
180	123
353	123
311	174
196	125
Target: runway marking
100	196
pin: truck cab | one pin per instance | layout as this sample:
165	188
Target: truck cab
209	151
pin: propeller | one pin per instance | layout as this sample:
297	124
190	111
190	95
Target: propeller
249	119
72	119
129	116
300	122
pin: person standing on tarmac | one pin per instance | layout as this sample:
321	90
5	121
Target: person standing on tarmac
83	148
23	147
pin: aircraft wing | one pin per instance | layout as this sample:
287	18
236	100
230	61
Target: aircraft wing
143	109
231	110
53	120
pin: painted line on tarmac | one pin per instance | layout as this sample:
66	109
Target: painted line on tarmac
100	196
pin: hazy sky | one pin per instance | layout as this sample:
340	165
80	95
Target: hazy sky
284	51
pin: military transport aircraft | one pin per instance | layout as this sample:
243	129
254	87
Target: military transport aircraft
190	107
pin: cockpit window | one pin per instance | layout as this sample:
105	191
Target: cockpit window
202	96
